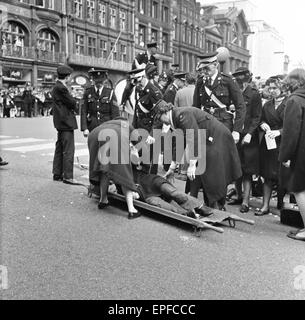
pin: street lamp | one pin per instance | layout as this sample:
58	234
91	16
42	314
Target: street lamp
223	56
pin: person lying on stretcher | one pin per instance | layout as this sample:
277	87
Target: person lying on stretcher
159	192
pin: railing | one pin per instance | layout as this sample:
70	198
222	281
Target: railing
99	62
12	51
17	52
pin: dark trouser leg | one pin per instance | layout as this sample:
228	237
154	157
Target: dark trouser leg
160	203
171	193
68	153
58	156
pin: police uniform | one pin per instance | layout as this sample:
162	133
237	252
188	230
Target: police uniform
145	101
64	109
100	105
142	57
226	91
170	93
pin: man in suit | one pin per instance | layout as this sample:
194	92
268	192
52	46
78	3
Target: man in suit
28	100
216	91
64	109
143	58
100	104
184	97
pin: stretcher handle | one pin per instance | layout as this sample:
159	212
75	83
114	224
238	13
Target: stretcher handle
209	226
237	218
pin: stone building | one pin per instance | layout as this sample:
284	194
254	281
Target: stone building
33	42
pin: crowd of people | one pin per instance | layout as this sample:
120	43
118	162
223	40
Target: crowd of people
25	102
250	131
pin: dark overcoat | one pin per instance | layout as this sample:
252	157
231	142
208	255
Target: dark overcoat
269	163
64	108
249	153
222	160
293	140
119	171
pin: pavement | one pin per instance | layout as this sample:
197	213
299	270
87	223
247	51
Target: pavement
56	244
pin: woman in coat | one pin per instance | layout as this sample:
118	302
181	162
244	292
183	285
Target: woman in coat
222	164
109	160
271	129
248	147
292	148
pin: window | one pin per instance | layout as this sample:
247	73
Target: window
103	49
154	9
189	35
102	13
164	48
123	20
91	10
175	30
91	46
48	4
141	6
165	14
123	53
112	18
78	9
142	34
235	35
46	44
154	35
114	51
79	44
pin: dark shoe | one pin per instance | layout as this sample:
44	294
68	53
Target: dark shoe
261	212
102	205
204	211
71	181
235	202
295	236
191	214
133	215
57	177
3	163
231	193
244	208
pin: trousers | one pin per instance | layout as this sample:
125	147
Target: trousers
64	154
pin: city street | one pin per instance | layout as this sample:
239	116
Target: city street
56	244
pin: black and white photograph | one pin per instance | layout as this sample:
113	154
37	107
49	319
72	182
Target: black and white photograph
152	153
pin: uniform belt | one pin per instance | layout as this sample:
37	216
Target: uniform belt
214	110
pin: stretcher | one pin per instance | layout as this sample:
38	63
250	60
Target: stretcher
198	225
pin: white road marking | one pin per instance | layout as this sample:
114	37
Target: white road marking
17	141
31	148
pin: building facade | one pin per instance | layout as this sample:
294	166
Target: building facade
38	35
33	42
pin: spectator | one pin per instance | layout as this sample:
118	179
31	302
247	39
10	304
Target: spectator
292	151
184	96
271	130
28	100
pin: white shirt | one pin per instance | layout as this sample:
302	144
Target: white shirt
213	78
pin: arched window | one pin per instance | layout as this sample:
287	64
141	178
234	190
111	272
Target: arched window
47	41
15	32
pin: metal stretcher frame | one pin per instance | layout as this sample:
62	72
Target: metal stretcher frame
198	224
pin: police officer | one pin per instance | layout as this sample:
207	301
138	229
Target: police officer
64	110
179	83
147	96
100	104
216	91
248	147
152	75
146	57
